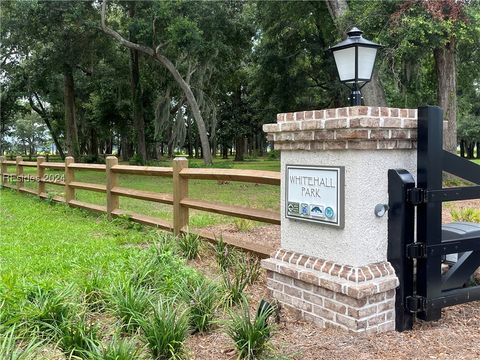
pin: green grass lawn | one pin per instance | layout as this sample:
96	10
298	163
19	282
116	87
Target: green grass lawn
47	243
234	193
76	286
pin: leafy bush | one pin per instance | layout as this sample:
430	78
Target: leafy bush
129	302
250	336
189	245
166	330
202	298
466	214
243	225
10	351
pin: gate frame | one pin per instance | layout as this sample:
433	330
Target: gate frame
417	258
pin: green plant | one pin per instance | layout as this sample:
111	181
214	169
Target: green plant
10	351
189	245
250	336
243	225
46	308
129	302
201	295
223	254
166	330
76	337
93	288
466	214
243	271
117	349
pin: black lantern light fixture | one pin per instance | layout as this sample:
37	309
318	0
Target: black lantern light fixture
355	58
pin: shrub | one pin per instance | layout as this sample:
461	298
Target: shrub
129	302
201	295
76	337
166	330
250	336
10	351
243	225
466	214
189	245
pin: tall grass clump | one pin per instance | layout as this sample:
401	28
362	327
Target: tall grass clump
224	254
201	296
243	271
189	245
77	338
45	308
94	293
9	350
166	330
466	214
250	336
117	349
129	302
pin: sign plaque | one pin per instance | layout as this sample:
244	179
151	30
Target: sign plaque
315	193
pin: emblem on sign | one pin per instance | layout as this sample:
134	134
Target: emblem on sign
293	208
305	209
317	211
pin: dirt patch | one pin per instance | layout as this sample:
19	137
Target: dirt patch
457	205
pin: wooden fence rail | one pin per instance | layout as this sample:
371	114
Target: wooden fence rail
179	198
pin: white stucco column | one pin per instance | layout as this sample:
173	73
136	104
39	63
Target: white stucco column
340	275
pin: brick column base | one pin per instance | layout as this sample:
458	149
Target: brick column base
359	299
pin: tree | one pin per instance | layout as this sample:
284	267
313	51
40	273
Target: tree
155	53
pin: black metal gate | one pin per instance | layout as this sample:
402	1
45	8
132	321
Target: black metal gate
417	258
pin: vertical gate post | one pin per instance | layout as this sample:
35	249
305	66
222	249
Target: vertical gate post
180	191
19	172
3	170
69	177
40	175
112	181
401	233
429	214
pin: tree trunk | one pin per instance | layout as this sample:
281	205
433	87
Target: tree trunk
239	148
70	114
373	93
446	68
136	89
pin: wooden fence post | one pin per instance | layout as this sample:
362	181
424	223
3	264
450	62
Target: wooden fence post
69	177
112	181
3	170
180	191
19	172
40	175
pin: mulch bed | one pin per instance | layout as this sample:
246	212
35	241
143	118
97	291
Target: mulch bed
455	336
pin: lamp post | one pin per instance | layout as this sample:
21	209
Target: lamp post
355	58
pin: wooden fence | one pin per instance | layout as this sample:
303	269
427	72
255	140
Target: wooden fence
179	198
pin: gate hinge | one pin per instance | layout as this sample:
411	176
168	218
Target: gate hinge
416	303
416	196
416	250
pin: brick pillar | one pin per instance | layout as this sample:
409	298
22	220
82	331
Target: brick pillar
341	276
